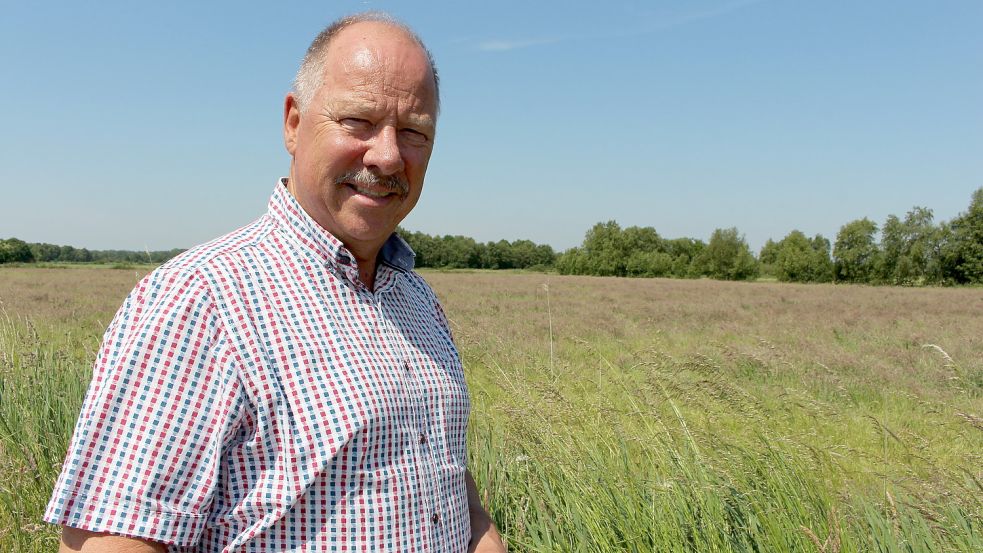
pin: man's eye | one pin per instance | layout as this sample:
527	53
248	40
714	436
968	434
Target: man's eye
413	136
356	123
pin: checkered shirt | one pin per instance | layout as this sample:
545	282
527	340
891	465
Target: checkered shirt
252	395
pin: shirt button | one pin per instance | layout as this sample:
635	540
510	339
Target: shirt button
435	518
423	438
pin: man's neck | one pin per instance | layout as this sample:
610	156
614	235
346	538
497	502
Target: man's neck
366	271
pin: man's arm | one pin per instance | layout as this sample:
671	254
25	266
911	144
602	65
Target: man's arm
484	535
135	412
76	540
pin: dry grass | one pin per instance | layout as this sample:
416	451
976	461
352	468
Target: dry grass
881	387
70	295
834	396
875	334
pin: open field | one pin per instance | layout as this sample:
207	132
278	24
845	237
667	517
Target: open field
627	415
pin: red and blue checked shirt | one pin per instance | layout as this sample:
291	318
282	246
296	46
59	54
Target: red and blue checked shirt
252	395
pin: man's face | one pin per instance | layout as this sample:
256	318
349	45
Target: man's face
360	149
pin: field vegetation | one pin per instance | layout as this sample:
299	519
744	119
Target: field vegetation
626	414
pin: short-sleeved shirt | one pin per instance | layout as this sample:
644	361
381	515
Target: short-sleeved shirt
253	395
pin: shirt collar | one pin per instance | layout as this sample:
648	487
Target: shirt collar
288	214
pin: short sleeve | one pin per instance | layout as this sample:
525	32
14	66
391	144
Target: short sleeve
146	450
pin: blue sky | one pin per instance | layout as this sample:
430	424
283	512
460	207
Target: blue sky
131	125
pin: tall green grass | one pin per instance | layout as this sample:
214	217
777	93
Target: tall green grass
43	377
618	436
615	463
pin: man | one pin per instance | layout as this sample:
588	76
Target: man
292	386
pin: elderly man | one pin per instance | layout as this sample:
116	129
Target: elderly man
293	385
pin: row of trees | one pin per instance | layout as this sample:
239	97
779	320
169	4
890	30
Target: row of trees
609	250
462	252
912	250
13	250
431	251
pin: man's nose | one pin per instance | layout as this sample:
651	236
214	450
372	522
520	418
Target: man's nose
383	153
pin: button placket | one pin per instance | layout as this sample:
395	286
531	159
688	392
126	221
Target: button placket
413	376
427	465
382	322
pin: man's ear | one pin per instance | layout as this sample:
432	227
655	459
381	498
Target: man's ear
291	122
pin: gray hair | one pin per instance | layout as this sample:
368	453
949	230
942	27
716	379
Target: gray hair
311	72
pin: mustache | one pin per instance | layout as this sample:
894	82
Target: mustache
364	177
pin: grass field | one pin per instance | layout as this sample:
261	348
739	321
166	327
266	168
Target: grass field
626	415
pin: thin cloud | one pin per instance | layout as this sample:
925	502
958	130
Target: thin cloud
505	45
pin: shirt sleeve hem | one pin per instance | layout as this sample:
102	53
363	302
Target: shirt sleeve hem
168	527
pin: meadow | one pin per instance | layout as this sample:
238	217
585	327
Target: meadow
626	414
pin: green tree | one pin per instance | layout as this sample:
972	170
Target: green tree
605	250
13	250
423	245
45	252
498	255
961	251
684	251
460	252
642	239
523	254
768	258
910	249
769	252
545	256
855	252
573	262
609	250
892	246
823	260
797	258
464	252
648	264
727	257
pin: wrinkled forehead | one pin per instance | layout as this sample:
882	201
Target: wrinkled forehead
374	54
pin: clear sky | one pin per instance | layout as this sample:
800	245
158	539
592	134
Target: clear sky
128	125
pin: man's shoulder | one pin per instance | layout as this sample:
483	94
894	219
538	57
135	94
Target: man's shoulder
206	255
430	302
188	274
426	294
420	284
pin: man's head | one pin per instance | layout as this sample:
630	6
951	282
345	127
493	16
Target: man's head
360	125
311	71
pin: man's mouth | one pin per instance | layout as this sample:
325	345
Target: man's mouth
366	183
369	192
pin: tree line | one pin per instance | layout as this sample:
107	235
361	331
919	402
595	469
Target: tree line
910	251
13	250
906	251
462	252
458	252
